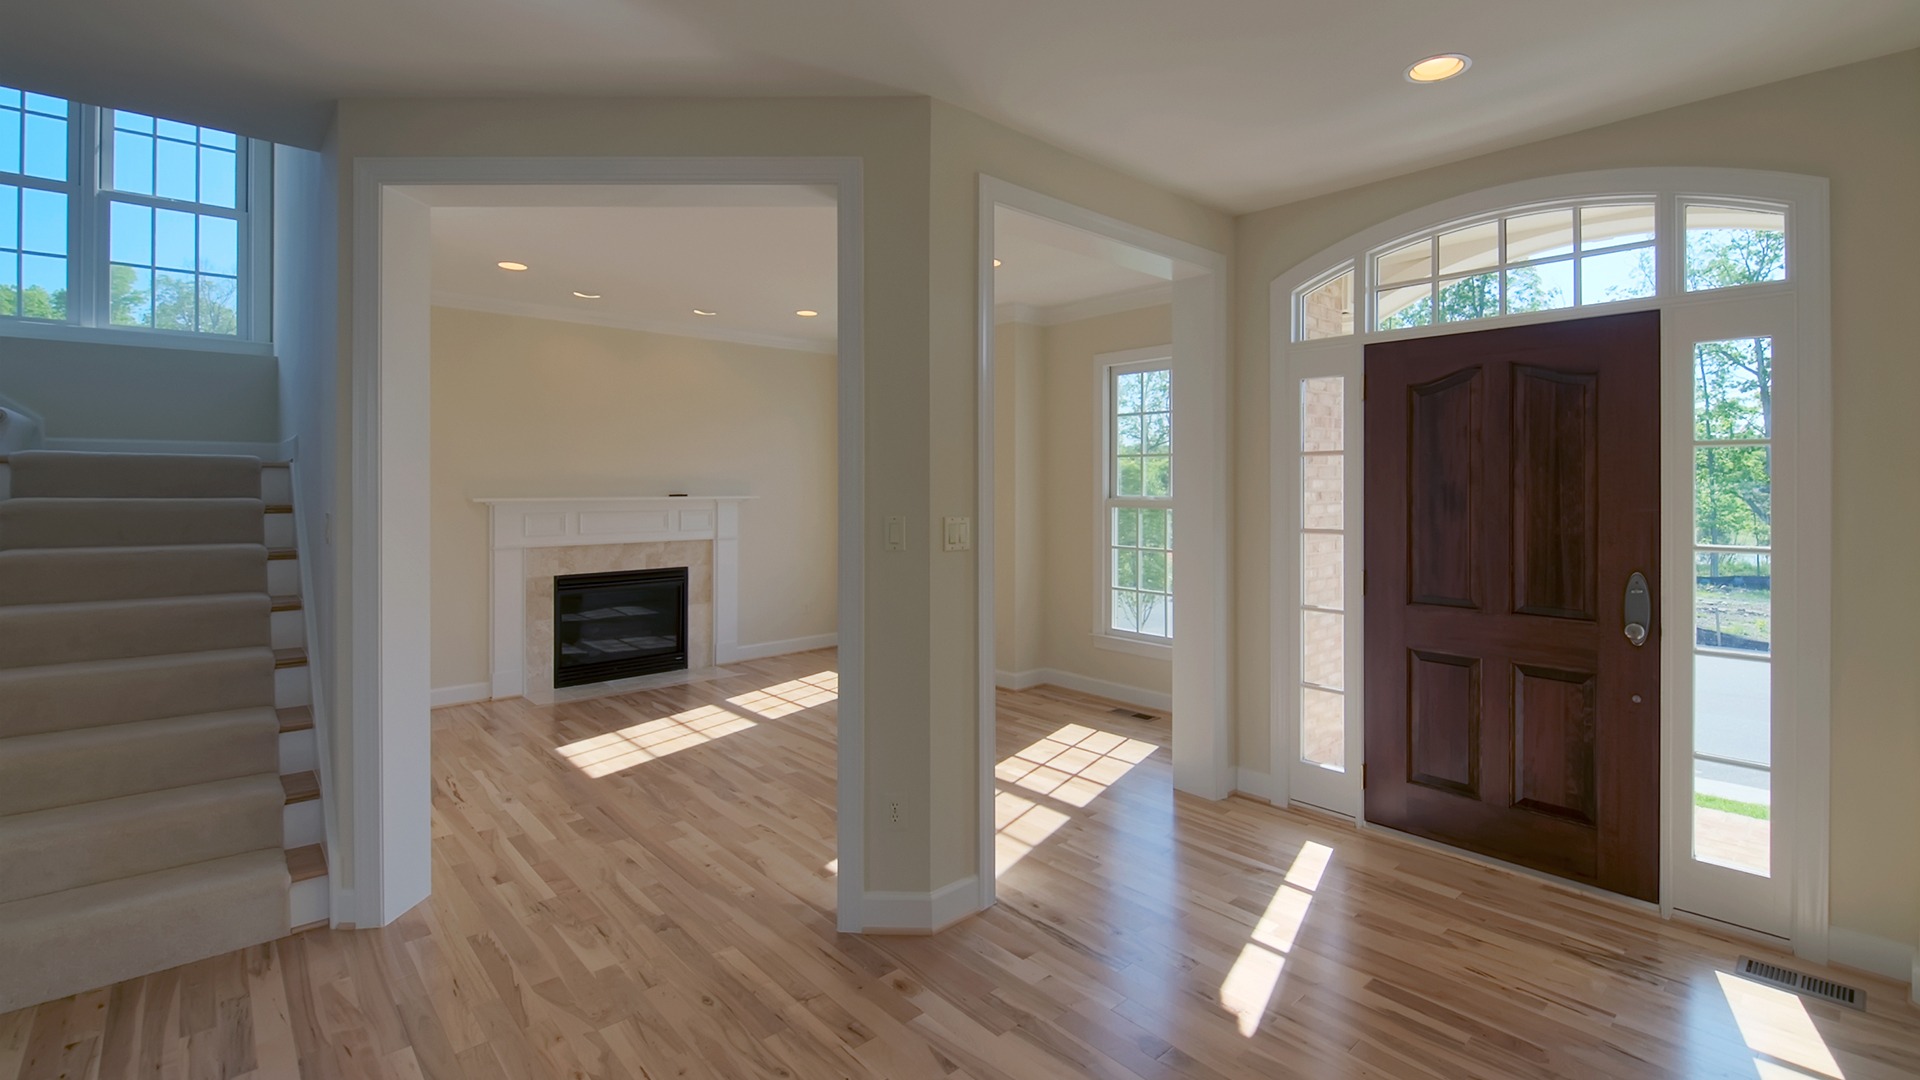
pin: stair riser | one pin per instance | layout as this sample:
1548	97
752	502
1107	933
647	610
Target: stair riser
298	752
66	523
40	474
60	576
283	577
86	844
279	530
65	633
291	688
61	945
310	902
45	771
289	629
303	824
276	483
56	699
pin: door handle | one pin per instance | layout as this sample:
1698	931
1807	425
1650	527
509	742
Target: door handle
1639	609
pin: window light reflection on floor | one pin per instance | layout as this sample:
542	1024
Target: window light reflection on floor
1778	1029
617	751
1249	985
1072	766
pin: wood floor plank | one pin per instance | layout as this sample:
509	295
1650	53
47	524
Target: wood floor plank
642	886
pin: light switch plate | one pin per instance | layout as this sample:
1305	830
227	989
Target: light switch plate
959	533
896	534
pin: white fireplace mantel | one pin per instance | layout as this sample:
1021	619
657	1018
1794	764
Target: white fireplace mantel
517	524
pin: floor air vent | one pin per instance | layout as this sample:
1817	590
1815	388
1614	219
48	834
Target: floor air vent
1802	984
1130	714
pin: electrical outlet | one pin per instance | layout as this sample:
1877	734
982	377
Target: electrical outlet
896	811
893	813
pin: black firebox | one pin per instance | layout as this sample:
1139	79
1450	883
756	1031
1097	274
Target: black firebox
614	626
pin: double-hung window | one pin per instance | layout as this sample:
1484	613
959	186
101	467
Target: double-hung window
133	225
1137	497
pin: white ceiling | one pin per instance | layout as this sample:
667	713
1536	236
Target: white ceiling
1243	103
754	255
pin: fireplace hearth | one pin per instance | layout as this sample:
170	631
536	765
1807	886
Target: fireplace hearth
618	625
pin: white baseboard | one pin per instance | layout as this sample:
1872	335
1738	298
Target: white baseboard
1875	955
1129	695
266	451
461	694
777	648
920	913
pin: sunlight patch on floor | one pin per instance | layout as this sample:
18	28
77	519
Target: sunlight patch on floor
1073	765
1776	1025
616	751
1249	985
787	698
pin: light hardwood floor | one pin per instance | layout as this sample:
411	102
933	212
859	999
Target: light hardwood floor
641	886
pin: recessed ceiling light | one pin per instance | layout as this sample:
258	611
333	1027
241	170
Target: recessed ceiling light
1439	68
806	313
510	265
996	264
699	311
587	295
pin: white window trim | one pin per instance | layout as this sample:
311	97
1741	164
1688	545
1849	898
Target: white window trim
1803	506
1105	367
88	252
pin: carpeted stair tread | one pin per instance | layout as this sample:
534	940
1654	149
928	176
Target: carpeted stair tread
71	847
63	575
36	634
56	523
68	475
93	693
61	768
67	942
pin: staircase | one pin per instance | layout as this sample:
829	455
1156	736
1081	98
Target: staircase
157	804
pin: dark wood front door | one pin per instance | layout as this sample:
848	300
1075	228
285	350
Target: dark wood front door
1512	490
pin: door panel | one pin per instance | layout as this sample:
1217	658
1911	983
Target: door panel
1512	489
1443	487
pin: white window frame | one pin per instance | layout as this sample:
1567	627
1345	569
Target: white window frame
1796	313
1107	367
88	253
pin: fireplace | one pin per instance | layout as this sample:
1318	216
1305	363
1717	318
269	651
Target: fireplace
617	625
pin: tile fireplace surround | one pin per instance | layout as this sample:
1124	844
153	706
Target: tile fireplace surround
534	540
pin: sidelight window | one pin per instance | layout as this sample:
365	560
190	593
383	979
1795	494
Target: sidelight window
1733	602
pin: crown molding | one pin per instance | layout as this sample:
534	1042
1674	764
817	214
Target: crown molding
1091	308
668	327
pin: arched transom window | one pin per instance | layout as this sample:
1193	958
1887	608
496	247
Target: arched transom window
1532	259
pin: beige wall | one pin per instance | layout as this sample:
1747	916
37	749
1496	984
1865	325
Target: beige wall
1073	390
1857	126
86	390
1019	494
530	407
1047	450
